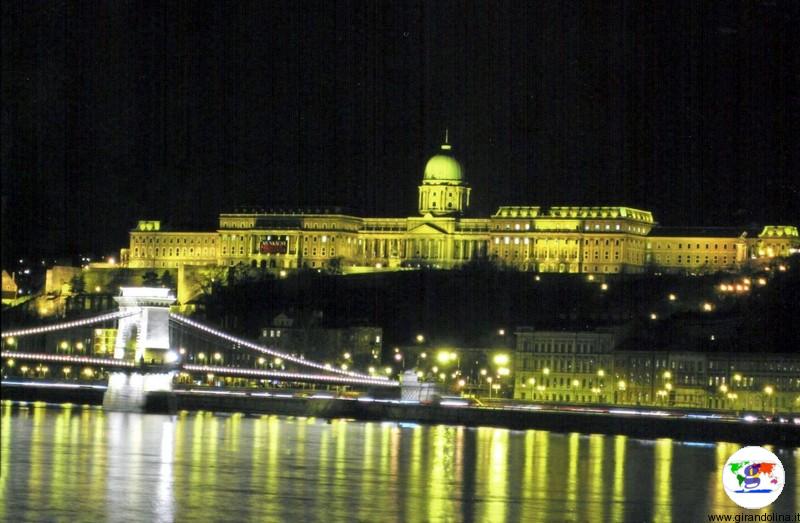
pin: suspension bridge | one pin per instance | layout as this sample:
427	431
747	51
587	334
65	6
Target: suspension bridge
147	359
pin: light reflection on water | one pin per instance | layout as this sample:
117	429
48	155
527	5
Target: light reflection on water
84	464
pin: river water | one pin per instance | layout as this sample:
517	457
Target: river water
83	464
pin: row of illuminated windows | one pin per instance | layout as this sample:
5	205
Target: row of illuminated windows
171	240
561	347
323	252
667	260
708	246
756	365
560	364
177	252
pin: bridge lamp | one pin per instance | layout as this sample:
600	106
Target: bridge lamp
344	366
79	345
346	355
10	363
11	341
64	345
278	361
217	356
261	361
388	370
66	371
88	372
201	356
371	370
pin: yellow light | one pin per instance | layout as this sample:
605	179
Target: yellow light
668	386
653	316
420	374
546	371
443	357
762	281
601	373
24	369
277	361
97	288
420	338
442	376
461	383
590	277
501	359
575	383
503	371
453	356
489	379
201	356
737	377
261	361
398	357
723	388
282	274
672	297
346	355
344	366
210	376
707	306
667	375
217	356
531	381
371	370
604	286
64	345
768	390
621	385
501	332
11	340
88	372
66	370
182	351
388	370
10	363
423	355
483	372
79	345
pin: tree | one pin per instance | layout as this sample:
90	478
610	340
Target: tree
167	280
150	279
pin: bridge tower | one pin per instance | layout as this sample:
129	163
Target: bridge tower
148	330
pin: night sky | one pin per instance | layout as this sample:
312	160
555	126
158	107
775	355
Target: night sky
119	111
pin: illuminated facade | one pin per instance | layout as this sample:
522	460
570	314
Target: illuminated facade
605	240
586	367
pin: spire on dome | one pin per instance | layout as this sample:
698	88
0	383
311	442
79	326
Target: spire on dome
446	145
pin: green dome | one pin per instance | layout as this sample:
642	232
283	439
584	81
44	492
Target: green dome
443	168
